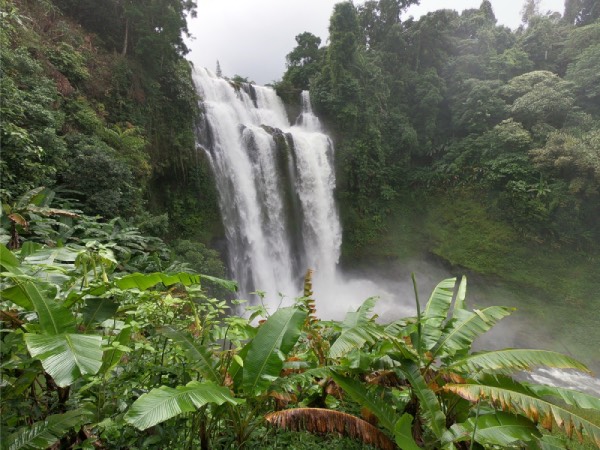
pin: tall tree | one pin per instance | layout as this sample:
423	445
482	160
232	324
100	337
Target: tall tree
302	62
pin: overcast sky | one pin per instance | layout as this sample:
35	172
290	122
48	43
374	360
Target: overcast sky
251	37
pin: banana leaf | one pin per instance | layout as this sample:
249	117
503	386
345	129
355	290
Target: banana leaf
66	357
263	359
164	403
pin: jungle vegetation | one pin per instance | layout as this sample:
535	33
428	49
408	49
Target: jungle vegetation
454	136
107	342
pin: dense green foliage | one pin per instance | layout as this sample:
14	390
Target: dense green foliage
453	135
454	100
107	342
97	98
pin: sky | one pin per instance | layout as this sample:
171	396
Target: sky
251	38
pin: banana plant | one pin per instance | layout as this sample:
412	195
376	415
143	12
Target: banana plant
46	433
454	397
241	382
65	354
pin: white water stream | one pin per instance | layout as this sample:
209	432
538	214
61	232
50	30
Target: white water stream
276	189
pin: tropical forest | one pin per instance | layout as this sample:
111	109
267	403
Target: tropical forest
191	260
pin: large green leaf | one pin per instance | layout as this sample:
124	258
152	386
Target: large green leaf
21	290
368	399
146	281
428	401
569	396
53	264
357	329
97	310
436	312
439	302
548	442
52	255
361	315
198	355
164	402
227	284
512	397
37	295
112	356
44	434
275	339
66	357
510	360
501	429
7	259
32	293
403	433
19	293
461	293
464	327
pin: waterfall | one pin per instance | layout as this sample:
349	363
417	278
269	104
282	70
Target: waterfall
275	182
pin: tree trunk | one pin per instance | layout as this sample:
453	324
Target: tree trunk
124	52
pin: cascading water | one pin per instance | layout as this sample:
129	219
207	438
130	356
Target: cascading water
275	182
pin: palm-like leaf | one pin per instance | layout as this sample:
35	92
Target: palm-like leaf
502	429
318	420
304	378
429	404
569	396
44	434
360	394
165	403
357	329
264	355
31	293
403	433
464	327
436	312
227	284
387	416
461	293
66	357
512	397
199	356
146	281
510	360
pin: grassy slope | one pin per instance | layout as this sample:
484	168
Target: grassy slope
556	290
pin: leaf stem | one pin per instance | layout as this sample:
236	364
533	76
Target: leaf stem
414	281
